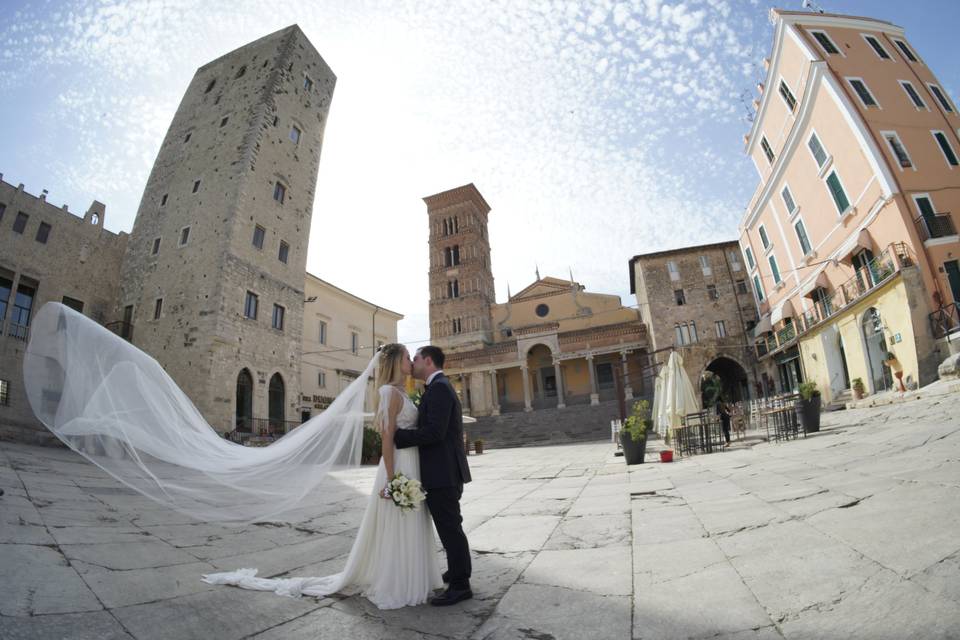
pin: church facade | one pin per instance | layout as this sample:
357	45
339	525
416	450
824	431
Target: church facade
549	346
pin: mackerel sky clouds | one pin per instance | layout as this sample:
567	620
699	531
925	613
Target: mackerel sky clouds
596	131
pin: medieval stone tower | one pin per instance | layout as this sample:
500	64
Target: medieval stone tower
213	276
461	277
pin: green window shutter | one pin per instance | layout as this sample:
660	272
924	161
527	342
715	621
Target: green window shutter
836	190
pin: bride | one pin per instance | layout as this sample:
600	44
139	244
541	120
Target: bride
393	557
116	406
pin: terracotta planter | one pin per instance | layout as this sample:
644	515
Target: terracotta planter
633	450
858	393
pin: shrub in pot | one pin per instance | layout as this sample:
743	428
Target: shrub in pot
478	446
633	436
858	388
808	407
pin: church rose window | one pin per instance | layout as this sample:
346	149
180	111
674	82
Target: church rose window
542	310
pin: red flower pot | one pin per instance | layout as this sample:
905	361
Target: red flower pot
666	456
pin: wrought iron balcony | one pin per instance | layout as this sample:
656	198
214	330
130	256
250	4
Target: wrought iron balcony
945	320
938	225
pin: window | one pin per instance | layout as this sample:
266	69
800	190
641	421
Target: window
279	192
787	96
276	119
211	85
774	268
156	247
73	303
721	329
802	237
788	199
259	233
819	154
284	252
3	209
456	288
5	393
196	186
941	140
163	200
278	317
941	98
542	310
906	50
22	307
899	151
250	306
354	342
307	83
454	255
240	72
825	42
295	135
224	121
184	236
20	223
712	292
758	288
742	286
456	326
763	237
860	87
877	47
43	232
767	151
186	138
679	297
837	192
157	308
705	264
322	379
913	95
750	261
672	270
686	333
323	332
734	260
6	286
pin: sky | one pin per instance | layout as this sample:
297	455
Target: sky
596	131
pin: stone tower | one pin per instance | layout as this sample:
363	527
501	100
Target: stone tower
213	276
461	277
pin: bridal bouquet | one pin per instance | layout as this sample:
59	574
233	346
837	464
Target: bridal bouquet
406	493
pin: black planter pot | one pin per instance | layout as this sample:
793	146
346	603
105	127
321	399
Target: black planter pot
808	412
633	450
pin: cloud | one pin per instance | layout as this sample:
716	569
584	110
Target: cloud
596	132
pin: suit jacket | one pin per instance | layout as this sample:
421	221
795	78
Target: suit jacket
439	434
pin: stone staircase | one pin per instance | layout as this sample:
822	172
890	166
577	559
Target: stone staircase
840	401
576	423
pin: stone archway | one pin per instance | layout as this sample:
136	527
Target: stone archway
244	412
543	379
275	402
733	377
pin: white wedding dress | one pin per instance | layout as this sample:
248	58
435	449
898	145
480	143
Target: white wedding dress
393	560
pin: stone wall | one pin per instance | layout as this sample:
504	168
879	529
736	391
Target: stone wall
79	259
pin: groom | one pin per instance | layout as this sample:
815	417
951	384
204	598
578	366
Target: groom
443	467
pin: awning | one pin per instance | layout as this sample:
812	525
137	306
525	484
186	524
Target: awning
861	241
762	327
820	281
784	310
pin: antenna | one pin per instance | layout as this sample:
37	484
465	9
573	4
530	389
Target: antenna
813	6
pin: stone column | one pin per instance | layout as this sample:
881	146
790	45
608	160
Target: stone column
556	370
495	411
526	387
627	389
594	393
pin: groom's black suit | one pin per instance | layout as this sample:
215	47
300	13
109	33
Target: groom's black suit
443	470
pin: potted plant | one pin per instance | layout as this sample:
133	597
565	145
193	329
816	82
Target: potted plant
633	436
478	446
858	388
808	407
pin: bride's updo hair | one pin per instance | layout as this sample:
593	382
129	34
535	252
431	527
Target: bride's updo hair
389	369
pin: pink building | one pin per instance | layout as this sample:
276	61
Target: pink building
849	239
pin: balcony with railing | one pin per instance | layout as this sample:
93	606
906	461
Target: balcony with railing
865	280
945	320
935	225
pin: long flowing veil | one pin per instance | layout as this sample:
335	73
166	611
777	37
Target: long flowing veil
117	407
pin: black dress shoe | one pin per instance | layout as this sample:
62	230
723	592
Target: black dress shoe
445	577
451	596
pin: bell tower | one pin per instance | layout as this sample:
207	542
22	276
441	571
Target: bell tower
461	277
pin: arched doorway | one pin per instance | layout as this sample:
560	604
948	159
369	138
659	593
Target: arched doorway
876	349
543	376
244	420
733	379
275	402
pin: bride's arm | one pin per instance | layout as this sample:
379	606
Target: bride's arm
389	428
